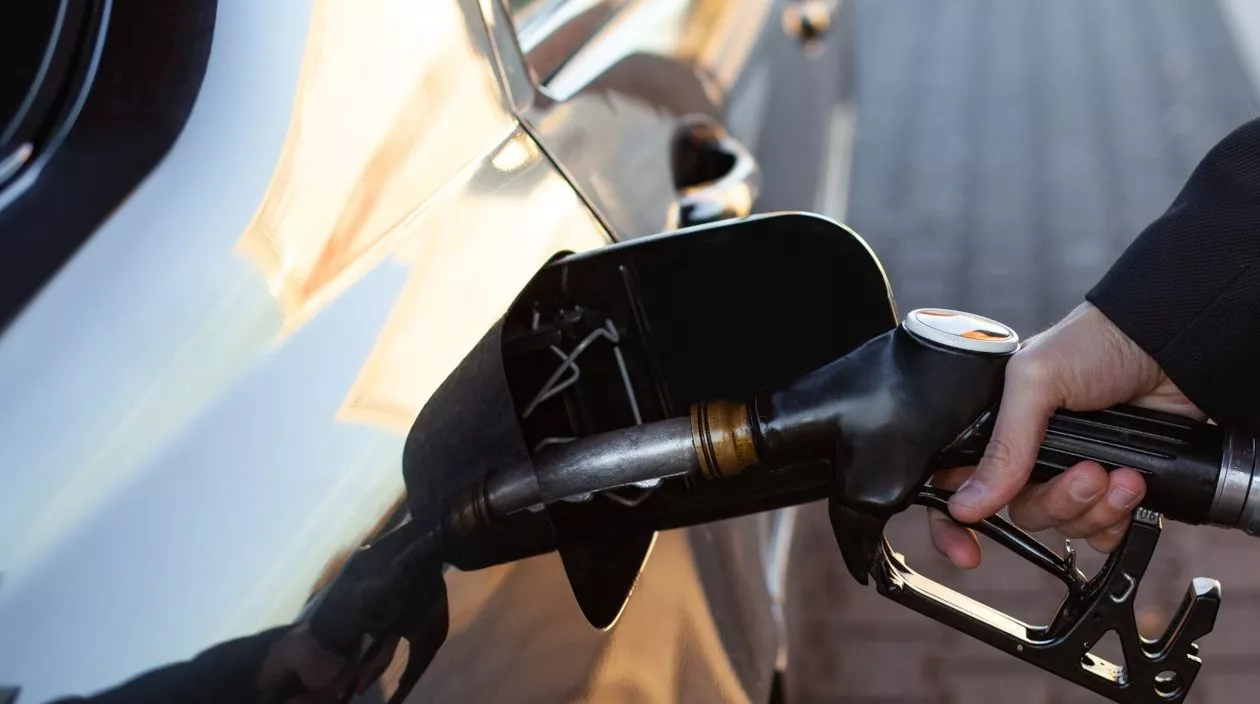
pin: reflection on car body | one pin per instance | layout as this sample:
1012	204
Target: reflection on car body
207	400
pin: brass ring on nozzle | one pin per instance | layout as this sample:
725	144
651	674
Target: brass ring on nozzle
722	437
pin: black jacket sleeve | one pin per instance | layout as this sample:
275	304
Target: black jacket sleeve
1188	288
225	673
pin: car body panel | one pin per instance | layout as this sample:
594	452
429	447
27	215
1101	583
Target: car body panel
649	64
638	66
226	420
667	647
208	402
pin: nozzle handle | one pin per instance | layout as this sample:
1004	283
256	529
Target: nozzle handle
1181	459
1195	472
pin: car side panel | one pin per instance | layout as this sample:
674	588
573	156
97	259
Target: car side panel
207	405
205	408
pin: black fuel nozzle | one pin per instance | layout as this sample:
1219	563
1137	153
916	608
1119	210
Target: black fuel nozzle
878	415
881	413
921	398
912	401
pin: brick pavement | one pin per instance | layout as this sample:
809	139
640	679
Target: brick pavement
1006	151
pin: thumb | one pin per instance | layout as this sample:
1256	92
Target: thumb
1008	460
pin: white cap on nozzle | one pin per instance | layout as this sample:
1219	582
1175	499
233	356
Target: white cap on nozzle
961	331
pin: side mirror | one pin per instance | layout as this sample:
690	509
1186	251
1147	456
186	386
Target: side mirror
632	333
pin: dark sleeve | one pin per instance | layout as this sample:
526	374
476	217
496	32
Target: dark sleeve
228	672
1188	289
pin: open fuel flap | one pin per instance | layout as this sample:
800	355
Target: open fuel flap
638	332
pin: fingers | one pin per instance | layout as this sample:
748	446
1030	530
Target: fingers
1107	521
1083	502
956	542
1125	488
1027	404
1061	500
1109	539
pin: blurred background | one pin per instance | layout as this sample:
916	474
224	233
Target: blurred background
1004	152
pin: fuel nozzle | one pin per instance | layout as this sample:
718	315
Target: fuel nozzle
883	417
714	442
880	413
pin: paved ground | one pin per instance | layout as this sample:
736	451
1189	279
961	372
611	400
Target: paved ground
1006	151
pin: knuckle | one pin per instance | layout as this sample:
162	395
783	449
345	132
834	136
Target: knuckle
999	453
1043	376
1029	370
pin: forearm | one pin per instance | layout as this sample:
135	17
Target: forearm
1188	289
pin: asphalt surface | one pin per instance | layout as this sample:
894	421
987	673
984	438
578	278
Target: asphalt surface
1006	151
